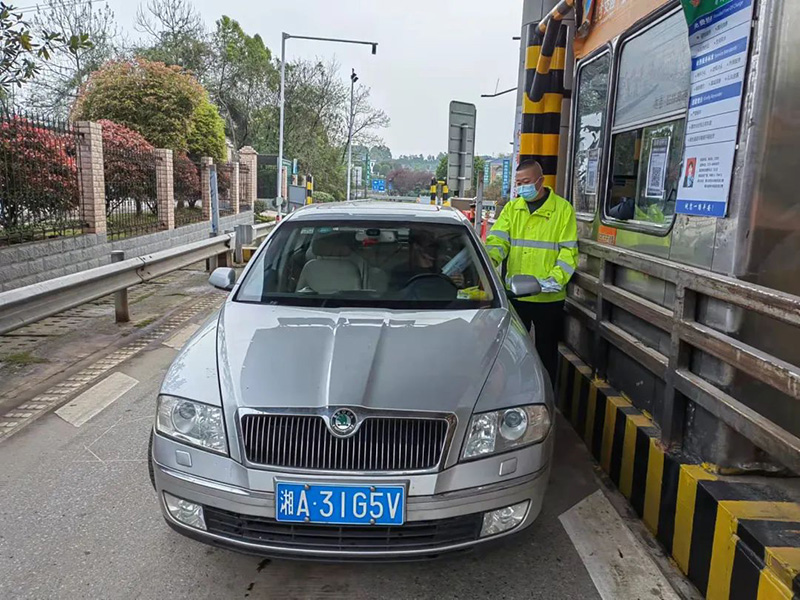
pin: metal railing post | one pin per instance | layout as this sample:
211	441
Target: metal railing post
121	310
673	407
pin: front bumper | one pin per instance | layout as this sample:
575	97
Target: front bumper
244	519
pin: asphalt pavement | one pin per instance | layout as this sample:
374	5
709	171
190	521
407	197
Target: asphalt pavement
79	519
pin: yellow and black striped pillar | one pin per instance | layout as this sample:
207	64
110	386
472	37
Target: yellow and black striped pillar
445	194
434	187
544	92
309	189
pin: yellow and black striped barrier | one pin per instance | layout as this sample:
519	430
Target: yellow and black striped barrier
734	537
434	190
309	189
445	194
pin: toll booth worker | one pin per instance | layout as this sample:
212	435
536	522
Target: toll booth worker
537	234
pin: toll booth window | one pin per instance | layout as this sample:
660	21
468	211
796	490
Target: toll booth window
590	124
649	124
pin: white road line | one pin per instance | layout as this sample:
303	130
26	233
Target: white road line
618	564
96	398
179	339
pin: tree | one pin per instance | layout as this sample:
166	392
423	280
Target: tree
241	79
366	119
206	135
164	104
176	34
39	183
441	168
129	166
477	172
22	51
408	182
61	78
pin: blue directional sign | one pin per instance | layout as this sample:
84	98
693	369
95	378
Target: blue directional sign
378	185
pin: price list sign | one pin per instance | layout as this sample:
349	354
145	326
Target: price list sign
719	38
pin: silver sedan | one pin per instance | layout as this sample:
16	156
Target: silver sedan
366	391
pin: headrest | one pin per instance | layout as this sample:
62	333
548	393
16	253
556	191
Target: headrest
332	245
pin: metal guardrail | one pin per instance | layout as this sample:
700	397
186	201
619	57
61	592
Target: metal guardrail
32	303
686	334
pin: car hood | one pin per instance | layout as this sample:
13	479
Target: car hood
289	357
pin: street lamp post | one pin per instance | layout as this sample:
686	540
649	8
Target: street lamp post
285	36
353	79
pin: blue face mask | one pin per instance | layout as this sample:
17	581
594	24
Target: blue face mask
528	191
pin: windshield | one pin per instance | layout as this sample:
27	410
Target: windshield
370	264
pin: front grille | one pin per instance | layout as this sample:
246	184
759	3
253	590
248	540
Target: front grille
380	444
415	535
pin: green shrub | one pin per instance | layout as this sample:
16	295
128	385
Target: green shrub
323	197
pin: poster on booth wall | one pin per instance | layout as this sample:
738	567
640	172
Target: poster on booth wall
657	168
719	38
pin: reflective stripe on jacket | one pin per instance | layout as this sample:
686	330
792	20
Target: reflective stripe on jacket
543	244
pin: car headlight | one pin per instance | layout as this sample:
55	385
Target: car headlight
503	430
192	422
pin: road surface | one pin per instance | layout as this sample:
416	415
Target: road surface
80	520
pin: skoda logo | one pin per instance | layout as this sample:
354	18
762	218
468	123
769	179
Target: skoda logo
343	422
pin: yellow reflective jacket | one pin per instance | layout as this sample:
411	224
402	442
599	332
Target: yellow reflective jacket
543	244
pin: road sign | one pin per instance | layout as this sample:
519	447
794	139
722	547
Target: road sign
487	173
460	146
358	171
378	185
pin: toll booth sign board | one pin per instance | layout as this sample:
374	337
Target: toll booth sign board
719	38
460	145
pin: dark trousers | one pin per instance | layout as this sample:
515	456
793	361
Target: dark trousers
547	319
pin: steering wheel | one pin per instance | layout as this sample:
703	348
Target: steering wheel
430	286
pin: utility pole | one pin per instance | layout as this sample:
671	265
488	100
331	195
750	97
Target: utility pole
353	79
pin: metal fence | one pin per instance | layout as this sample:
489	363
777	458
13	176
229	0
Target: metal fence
188	198
672	364
244	182
39	179
224	179
131	202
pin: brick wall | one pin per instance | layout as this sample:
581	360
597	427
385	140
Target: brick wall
26	264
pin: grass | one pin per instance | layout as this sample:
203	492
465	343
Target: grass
22	359
145	322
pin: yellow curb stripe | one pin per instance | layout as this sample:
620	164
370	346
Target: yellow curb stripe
729	512
632	425
684	512
612	404
652	493
771	588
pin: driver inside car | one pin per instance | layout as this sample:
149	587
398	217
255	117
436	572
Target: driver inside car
424	257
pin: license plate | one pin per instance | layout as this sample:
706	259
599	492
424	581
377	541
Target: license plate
340	504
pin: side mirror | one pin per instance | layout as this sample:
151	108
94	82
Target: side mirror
223	278
524	285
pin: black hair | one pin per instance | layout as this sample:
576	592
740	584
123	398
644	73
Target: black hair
528	164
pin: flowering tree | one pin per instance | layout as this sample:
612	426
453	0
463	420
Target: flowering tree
166	105
130	169
38	177
187	180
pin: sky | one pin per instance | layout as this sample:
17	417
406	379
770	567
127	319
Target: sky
429	53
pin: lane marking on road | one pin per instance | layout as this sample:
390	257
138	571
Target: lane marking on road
17	419
179	339
617	562
96	398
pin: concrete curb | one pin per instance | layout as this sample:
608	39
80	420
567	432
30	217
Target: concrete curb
734	537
